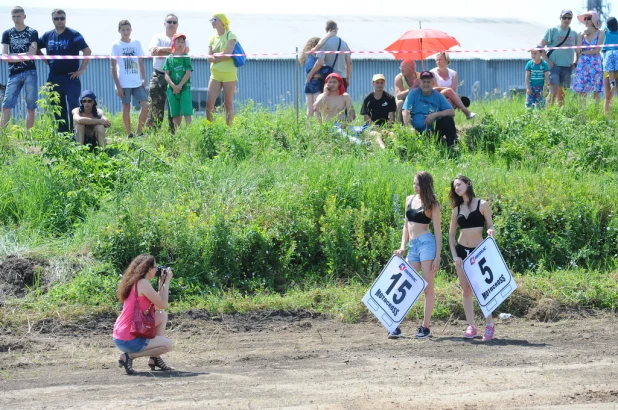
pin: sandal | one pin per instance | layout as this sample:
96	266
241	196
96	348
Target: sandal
158	362
127	364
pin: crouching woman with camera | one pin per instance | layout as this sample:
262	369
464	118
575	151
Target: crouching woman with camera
135	287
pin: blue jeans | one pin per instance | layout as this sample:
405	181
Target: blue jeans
25	80
69	91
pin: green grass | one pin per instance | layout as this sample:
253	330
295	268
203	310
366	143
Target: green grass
277	214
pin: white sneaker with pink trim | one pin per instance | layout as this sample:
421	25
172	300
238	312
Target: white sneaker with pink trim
489	333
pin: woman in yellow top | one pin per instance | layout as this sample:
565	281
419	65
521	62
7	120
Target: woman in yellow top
222	68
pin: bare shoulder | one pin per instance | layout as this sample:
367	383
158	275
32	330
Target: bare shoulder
484	206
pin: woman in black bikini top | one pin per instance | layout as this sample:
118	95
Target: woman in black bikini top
470	214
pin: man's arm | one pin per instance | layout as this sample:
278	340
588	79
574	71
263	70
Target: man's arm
543	43
318	64
348	68
119	89
104	120
406	117
439	114
86	52
318	106
350	107
79	119
400	93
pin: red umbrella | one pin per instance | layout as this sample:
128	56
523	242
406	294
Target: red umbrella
425	42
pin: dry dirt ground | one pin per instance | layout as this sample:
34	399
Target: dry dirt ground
298	360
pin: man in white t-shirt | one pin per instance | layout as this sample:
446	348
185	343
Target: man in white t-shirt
129	77
160	47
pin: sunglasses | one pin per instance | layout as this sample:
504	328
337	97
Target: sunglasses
87	101
567	18
60	18
213	20
171	22
588	18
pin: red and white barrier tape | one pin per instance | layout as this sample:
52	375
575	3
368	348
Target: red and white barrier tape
203	56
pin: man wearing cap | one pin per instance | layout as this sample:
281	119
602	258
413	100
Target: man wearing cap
379	107
65	74
560	61
406	80
160	47
90	121
334	100
428	110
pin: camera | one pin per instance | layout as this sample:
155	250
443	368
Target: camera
160	270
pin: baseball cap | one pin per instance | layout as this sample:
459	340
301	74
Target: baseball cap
426	74
566	11
377	77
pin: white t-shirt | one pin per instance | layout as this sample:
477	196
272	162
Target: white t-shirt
128	68
161	40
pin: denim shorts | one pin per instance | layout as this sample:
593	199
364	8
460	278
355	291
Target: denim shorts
132	346
422	248
26	80
138	93
561	76
314	86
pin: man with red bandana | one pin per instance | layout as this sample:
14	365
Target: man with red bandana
335	101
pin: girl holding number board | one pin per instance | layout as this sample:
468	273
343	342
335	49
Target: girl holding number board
424	249
470	214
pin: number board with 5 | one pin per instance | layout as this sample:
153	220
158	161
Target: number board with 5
394	292
489	277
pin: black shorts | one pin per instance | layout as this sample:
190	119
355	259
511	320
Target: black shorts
463	251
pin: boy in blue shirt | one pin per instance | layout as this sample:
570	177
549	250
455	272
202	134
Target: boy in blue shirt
537	77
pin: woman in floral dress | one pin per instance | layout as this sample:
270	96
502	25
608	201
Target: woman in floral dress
589	70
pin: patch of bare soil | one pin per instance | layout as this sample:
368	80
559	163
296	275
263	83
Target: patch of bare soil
17	275
288	359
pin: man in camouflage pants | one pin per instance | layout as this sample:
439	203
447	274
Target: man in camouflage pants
161	46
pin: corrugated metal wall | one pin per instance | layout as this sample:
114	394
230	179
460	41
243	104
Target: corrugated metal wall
273	82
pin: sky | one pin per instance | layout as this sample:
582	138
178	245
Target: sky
542	11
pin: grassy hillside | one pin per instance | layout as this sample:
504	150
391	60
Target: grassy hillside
275	206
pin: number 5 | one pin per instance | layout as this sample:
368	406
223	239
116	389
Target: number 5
486	270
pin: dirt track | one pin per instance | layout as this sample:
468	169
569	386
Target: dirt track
293	360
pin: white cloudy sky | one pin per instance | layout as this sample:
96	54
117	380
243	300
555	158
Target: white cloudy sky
543	11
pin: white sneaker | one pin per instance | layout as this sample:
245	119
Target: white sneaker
472	115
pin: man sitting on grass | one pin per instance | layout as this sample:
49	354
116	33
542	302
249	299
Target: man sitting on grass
89	121
379	109
428	110
335	101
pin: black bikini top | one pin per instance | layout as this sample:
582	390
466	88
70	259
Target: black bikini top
475	218
417	215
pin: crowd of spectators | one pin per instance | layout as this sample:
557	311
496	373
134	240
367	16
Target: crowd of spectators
425	101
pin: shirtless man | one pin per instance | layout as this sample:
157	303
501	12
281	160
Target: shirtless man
335	100
404	82
89	121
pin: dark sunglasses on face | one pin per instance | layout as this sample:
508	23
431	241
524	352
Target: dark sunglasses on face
87	101
172	22
587	18
213	20
567	18
62	18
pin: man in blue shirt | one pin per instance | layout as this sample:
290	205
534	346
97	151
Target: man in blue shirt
428	110
65	73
